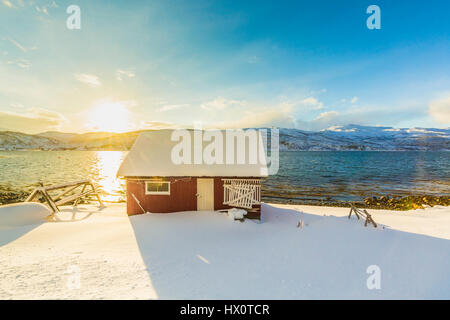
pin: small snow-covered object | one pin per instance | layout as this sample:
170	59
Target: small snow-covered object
22	214
236	214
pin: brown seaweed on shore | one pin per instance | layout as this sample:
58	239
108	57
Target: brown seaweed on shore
400	203
7	196
406	202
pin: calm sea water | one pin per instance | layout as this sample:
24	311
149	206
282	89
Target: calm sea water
303	176
352	176
23	170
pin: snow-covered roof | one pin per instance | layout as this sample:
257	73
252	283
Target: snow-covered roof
156	154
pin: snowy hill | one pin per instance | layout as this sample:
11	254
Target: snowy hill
67	141
350	137
17	141
355	137
61	136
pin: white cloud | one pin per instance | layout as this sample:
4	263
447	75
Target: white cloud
18	45
22	63
287	115
156	125
312	102
44	9
221	103
33	120
89	79
328	115
440	110
279	117
323	90
352	100
16	105
120	73
169	107
7	3
364	115
309	103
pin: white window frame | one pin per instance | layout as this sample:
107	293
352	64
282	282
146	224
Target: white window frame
167	193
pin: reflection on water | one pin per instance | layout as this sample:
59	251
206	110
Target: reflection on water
105	169
21	171
303	176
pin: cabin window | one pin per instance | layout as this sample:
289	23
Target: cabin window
157	187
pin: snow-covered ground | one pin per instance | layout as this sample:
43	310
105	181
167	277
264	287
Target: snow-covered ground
206	255
42	261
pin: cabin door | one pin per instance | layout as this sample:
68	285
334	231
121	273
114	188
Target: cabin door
205	194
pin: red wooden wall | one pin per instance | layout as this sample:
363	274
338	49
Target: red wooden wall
182	196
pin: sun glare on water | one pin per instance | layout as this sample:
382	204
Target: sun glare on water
106	166
109	116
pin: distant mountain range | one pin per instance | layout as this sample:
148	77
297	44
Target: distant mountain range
356	137
350	137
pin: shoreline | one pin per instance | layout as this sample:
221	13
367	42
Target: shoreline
396	203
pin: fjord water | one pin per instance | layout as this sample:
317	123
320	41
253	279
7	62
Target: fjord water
353	175
21	171
304	176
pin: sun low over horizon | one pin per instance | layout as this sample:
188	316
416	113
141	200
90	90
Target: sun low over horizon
166	64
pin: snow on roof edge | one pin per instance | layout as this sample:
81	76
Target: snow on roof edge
143	161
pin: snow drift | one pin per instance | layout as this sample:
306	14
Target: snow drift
23	214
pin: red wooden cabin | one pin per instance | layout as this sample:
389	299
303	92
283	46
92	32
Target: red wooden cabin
158	183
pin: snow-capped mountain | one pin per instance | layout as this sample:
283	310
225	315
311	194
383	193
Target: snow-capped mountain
67	141
356	137
350	137
16	141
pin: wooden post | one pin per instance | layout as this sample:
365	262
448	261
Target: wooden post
96	194
138	202
369	219
78	200
363	214
50	202
32	195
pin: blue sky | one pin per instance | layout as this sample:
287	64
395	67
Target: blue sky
150	64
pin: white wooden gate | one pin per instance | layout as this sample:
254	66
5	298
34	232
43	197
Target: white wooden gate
242	193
